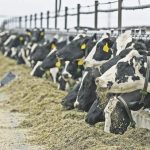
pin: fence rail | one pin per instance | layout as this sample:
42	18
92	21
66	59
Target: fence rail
31	20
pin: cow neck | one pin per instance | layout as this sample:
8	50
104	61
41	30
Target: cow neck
144	90
127	110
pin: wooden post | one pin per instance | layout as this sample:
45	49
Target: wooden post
66	15
78	16
96	15
20	19
35	19
119	14
30	21
56	14
48	16
41	20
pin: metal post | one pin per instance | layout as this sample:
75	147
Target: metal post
20	19
78	16
30	21
66	15
56	2
25	22
41	20
48	16
119	14
35	19
96	14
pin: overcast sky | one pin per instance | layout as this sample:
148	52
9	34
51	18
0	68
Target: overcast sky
27	7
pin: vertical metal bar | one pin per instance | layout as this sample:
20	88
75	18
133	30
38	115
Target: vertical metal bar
30	21
35	19
78	16
20	19
25	22
119	14
96	15
48	19
66	15
41	20
56	13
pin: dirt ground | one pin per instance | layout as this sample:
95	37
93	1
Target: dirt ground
38	102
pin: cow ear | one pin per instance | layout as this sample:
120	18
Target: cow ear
106	48
84	44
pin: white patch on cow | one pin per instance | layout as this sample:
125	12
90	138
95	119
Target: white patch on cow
35	67
54	72
13	51
34	47
51	52
3	33
108	111
76	103
79	36
123	40
24	58
12	37
89	61
125	87
64	72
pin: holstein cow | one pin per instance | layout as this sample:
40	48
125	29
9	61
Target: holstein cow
84	94
69	99
13	44
78	48
74	67
127	76
104	68
117	112
36	38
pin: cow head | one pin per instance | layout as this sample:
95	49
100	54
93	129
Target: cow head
87	90
77	48
69	99
126	76
122	42
116	117
100	53
36	34
95	113
73	69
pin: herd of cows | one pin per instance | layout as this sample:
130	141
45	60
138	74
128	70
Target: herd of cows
86	66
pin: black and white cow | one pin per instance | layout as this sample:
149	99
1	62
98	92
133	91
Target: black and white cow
117	119
126	76
69	99
36	38
78	48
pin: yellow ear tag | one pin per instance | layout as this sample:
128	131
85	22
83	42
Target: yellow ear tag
21	38
42	33
58	64
106	48
53	46
29	33
80	62
83	46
